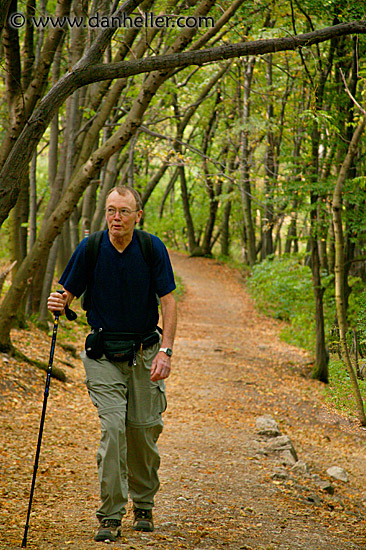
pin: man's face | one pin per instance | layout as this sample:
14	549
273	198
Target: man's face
121	214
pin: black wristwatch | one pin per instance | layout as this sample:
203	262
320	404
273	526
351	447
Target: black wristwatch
168	351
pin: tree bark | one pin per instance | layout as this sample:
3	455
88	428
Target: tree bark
320	371
212	190
23	103
225	228
4	9
269	167
244	179
339	266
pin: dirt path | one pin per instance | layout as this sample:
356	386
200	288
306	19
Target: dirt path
217	492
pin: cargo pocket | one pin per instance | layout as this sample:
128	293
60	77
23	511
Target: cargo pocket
162	405
146	405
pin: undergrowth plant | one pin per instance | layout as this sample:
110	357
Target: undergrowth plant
282	287
339	392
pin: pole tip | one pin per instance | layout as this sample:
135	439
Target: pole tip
24	541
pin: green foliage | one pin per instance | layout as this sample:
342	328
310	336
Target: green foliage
4	244
276	284
354	213
339	391
282	287
344	10
179	291
356	313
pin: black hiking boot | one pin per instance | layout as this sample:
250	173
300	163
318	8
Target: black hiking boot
143	520
109	530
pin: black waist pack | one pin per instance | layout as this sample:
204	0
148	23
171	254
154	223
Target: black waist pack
118	346
123	346
94	345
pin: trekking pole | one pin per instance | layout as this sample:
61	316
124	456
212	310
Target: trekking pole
46	392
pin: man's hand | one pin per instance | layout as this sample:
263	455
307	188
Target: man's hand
160	367
57	302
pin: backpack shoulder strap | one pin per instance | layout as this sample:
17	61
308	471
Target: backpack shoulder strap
91	255
145	242
91	251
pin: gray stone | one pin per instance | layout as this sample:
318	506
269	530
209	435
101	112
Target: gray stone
279	473
287	458
256	448
266	425
300	467
338	473
282	444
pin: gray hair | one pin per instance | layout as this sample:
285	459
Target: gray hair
124	190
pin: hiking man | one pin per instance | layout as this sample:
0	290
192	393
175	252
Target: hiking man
126	359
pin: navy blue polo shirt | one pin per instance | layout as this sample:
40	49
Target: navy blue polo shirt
123	292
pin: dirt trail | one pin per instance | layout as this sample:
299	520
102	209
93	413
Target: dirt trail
229	368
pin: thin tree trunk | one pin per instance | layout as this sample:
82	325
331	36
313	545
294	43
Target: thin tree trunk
192	241
109	180
47	284
168	190
269	167
210	187
339	266
225	226
244	180
32	223
88	208
45	272
292	230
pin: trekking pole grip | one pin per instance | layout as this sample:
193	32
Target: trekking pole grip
70	314
58	313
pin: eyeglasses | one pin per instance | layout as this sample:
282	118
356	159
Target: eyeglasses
124	212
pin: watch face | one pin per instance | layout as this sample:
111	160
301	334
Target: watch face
169	352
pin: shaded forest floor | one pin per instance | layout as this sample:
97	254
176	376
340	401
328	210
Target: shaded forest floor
217	492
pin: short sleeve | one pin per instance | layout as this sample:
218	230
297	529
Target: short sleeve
162	268
74	278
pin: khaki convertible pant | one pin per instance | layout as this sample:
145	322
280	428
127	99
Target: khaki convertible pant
129	408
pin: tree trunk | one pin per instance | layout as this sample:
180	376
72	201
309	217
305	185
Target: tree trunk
269	167
45	271
109	181
192	242
339	266
292	230
47	285
169	189
244	180
225	226
23	104
320	370
213	193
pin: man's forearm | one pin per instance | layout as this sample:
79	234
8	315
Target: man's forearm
169	313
